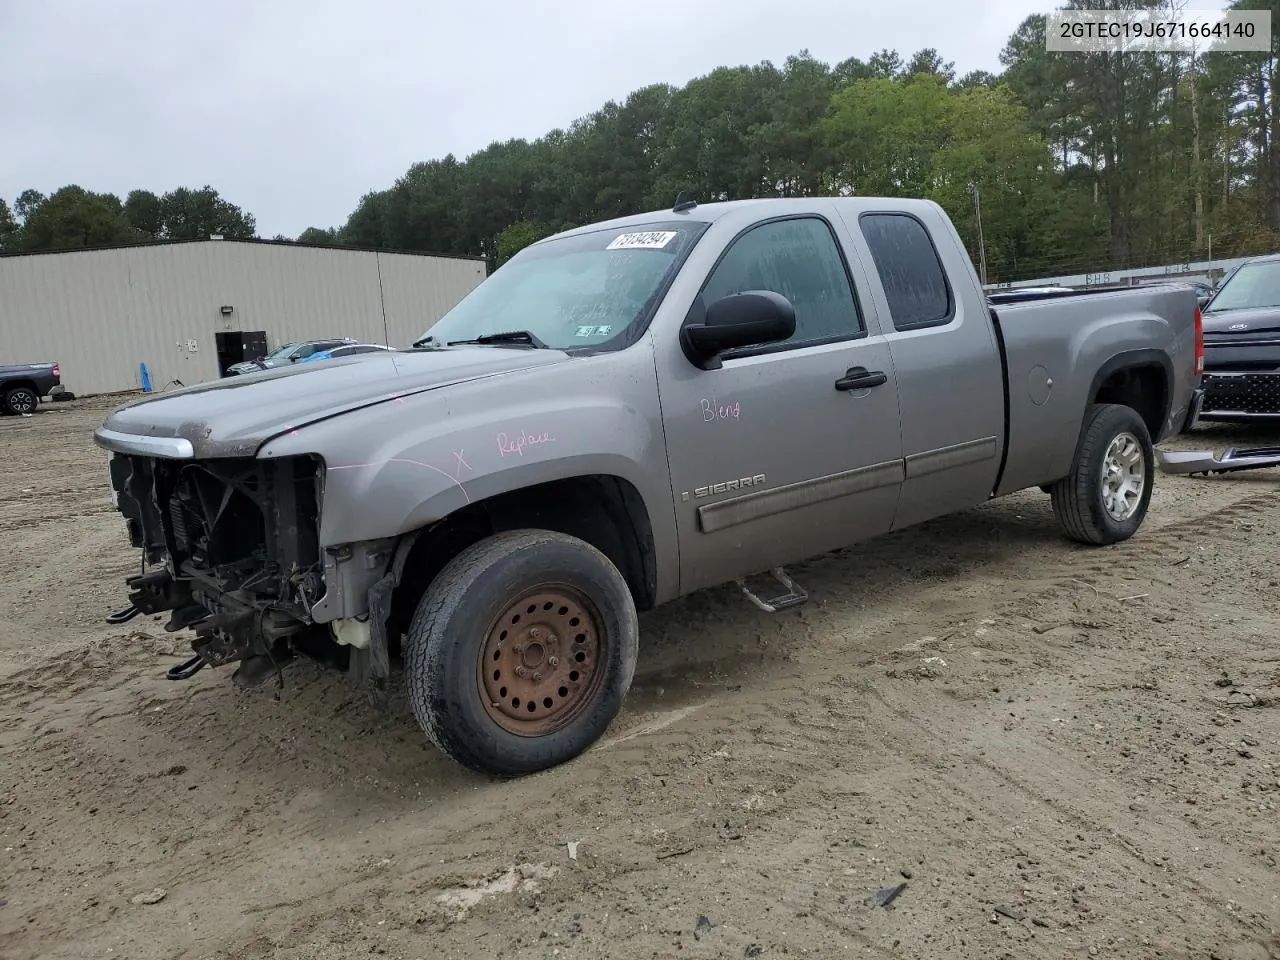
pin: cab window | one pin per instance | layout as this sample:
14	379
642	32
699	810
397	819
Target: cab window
800	259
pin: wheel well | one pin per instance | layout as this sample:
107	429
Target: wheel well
1143	387
607	512
10	384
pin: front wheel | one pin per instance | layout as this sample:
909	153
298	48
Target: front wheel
1105	497
521	652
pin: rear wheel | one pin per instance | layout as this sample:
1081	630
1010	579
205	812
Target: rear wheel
18	400
521	652
1105	497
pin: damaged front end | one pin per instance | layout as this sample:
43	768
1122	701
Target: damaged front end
235	544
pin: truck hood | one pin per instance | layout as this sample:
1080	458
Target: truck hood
1249	323
233	417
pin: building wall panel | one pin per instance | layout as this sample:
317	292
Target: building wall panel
101	313
416	296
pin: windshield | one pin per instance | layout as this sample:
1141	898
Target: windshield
280	351
596	290
1253	285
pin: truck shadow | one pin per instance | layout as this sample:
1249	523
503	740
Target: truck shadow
321	734
851	582
695	650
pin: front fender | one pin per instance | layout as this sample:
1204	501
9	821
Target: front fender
399	466
411	482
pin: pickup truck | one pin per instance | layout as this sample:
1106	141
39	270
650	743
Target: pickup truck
23	384
1242	345
622	414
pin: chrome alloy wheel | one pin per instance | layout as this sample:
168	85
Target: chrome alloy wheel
1124	477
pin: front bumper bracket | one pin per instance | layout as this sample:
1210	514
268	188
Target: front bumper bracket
1193	462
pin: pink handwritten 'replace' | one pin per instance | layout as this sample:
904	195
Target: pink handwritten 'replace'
516	445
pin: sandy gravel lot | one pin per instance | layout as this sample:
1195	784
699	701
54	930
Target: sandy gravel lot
1061	752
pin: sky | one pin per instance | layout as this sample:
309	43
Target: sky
293	109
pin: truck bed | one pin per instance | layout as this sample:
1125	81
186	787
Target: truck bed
1046	396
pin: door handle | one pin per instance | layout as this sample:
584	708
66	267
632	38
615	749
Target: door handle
858	378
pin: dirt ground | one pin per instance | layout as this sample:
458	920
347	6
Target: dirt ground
1062	752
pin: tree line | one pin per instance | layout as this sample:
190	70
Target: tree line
1069	162
75	217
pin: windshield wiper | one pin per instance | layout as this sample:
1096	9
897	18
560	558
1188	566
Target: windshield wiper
424	341
510	336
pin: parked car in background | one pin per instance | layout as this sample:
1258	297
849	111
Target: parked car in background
286	354
623	414
349	350
1242	344
23	384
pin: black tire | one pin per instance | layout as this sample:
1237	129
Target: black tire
456	629
1078	499
19	400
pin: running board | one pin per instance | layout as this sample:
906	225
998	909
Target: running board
1187	463
794	597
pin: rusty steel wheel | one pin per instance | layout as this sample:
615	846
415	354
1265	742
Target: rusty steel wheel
521	651
538	668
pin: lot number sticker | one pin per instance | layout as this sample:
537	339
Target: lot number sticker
652	240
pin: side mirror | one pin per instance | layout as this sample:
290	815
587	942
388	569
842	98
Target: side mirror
1204	299
738	320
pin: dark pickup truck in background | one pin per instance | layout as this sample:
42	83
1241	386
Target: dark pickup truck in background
23	384
1242	345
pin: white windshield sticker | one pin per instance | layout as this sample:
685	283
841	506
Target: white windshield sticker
652	240
592	331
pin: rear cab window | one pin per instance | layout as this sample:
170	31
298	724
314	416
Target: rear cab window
915	283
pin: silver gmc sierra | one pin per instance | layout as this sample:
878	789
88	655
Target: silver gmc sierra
622	414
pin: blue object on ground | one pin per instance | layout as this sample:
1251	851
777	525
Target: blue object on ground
146	377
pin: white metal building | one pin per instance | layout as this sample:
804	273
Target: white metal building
102	313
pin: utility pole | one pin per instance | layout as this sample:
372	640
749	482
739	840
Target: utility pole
982	247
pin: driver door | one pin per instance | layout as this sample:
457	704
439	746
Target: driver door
773	457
